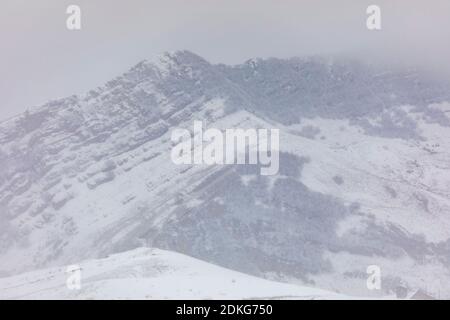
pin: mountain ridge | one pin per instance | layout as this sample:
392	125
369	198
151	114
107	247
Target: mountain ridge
87	176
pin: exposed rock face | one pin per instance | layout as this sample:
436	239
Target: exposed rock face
364	172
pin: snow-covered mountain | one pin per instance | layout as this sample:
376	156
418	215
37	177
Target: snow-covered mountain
364	173
151	274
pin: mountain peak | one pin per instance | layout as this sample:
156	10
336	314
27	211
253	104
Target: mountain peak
176	58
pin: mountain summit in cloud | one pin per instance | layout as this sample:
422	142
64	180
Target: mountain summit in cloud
363	178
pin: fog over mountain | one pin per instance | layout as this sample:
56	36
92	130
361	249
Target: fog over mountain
42	60
364	173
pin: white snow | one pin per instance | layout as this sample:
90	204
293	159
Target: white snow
152	274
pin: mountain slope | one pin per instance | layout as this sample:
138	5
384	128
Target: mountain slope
151	274
363	180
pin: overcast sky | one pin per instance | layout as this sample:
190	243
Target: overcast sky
40	59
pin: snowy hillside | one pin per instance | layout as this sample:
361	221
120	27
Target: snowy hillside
152	274
364	174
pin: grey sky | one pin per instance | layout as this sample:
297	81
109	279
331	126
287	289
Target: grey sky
40	59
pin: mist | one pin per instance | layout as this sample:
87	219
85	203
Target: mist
41	60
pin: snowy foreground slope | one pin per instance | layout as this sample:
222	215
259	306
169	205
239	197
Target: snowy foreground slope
364	174
152	274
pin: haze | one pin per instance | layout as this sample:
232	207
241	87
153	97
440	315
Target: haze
40	59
